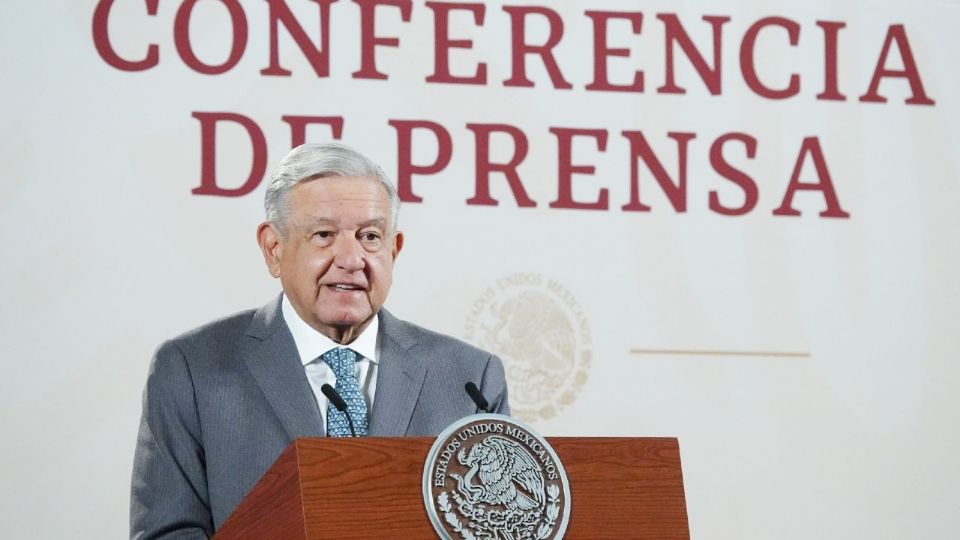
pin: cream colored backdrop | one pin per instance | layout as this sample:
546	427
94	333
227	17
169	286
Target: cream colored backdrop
808	365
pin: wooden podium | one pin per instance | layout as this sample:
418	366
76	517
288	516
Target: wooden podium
372	488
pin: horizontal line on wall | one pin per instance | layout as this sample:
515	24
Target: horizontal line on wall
690	352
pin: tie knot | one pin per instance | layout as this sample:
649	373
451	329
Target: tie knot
342	361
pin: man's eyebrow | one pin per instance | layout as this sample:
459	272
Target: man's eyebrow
379	222
320	221
315	222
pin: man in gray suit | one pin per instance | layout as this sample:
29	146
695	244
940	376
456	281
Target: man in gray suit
222	401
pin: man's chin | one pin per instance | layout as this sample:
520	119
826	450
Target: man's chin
346	321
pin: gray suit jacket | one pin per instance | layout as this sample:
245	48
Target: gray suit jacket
223	401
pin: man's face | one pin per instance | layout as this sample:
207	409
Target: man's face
335	258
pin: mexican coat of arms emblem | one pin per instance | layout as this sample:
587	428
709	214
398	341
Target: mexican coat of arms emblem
490	477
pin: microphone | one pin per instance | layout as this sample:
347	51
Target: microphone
477	397
340	404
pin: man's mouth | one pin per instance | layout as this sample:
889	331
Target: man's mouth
345	287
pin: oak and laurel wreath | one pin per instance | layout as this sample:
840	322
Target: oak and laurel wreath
553	510
544	531
451	518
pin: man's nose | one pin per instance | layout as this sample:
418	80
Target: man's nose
348	254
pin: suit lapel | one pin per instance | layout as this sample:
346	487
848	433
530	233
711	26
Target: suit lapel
399	379
274	362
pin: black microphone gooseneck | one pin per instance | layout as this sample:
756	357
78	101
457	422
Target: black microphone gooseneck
477	397
340	404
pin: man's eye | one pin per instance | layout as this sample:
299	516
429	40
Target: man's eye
323	234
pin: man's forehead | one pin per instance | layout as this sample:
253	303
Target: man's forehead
340	190
343	183
320	219
337	200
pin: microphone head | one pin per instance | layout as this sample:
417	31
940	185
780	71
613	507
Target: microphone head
334	397
476	396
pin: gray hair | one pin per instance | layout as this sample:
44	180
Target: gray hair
312	161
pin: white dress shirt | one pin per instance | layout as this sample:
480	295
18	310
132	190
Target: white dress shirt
312	344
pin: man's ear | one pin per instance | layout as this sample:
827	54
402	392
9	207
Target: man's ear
271	245
397	243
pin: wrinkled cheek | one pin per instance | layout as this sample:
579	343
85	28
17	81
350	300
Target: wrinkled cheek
316	290
319	271
382	279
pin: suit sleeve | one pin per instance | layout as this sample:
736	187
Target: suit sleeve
494	386
169	496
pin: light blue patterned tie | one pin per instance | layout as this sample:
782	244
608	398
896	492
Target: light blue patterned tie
343	363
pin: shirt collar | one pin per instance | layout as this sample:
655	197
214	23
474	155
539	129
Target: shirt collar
312	344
